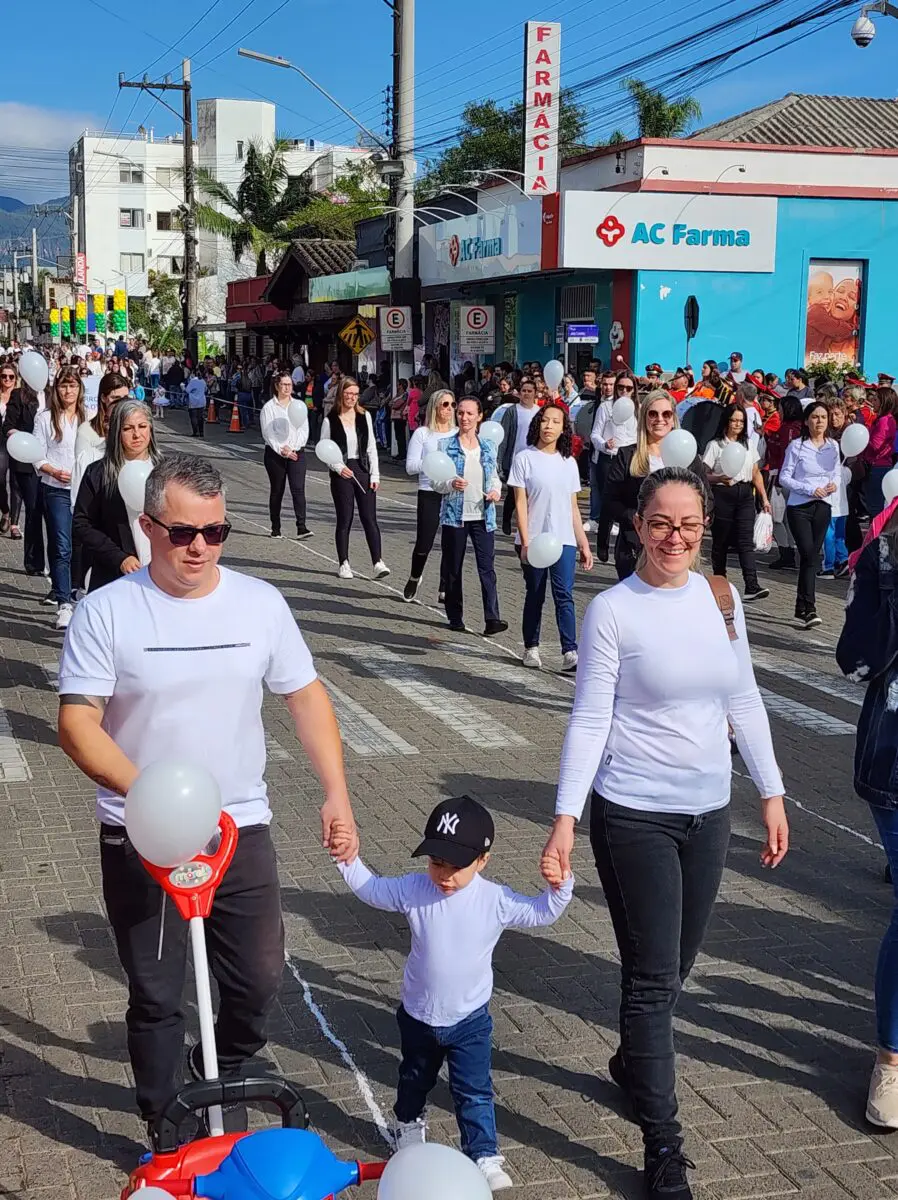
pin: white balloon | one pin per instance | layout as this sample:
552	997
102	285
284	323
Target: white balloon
449	1175
297	414
172	811
439	467
492	431
732	459
34	370
890	485
855	440
329	452
622	410
24	447
544	551
153	1193
678	449
132	483
553	373
280	429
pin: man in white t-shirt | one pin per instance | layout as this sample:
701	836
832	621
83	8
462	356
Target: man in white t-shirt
169	663
516	423
197	394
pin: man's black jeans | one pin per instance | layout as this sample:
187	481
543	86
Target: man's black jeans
245	938
660	873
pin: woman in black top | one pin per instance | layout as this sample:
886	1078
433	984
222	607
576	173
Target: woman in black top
101	523
21	409
656	418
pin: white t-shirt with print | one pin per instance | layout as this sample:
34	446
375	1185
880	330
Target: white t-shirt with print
712	460
184	678
549	481
472	509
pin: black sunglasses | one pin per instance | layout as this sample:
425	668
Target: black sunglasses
184	535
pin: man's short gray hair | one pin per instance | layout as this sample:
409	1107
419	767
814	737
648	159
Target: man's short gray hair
747	392
195	474
856	393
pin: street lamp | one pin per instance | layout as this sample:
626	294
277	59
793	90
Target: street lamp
863	31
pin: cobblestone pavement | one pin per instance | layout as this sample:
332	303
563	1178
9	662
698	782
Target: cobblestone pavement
773	1031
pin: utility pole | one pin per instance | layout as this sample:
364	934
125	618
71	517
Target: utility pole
35	302
15	290
188	212
404	152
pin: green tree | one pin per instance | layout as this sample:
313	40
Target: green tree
259	216
491	139
355	196
658	117
157	317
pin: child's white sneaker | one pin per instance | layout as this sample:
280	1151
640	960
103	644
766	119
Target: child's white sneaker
491	1168
409	1133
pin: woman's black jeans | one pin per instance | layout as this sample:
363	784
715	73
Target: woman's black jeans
808	524
660	873
348	496
734	525
282	471
428	522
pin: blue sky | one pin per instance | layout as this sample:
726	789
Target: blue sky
465	50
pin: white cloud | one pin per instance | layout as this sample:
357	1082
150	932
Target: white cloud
25	126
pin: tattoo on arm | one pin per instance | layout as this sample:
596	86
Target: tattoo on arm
79	701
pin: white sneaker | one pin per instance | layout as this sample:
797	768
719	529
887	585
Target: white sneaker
345	571
409	1133
569	660
491	1169
882	1099
64	615
590	527
531	657
615	529
381	570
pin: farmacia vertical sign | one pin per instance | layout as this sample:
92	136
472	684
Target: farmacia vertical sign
542	106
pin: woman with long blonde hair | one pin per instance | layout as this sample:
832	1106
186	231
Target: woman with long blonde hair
439	422
56	428
656	417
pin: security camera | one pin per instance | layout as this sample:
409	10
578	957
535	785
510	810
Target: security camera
863	31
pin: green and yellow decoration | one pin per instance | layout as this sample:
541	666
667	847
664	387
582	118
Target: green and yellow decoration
81	318
100	314
66	330
119	311
54	323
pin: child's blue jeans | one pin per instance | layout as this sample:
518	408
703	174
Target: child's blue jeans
466	1047
834	548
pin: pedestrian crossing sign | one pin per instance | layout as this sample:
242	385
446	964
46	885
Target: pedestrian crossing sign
358	335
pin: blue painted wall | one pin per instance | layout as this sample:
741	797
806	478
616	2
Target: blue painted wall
764	315
538	307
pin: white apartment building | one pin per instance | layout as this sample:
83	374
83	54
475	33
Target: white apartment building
130	187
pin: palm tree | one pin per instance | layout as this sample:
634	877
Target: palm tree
262	214
659	117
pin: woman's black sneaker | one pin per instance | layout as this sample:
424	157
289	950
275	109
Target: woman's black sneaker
410	591
811	619
665	1173
302	533
276	533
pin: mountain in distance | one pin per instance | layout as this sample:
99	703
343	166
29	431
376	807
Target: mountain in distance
18	219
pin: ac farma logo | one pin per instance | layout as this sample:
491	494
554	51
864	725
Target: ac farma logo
611	231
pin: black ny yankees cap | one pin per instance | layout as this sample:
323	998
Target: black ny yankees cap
458	831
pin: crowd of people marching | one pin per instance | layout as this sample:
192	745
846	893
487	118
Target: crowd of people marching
758	462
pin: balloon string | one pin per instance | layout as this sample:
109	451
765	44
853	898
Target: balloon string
161	929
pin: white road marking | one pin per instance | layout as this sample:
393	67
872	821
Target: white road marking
361	1079
855	833
530	686
478	727
362	731
800	714
820	681
13	764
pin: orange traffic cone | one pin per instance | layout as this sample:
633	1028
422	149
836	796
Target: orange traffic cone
211	414
235	426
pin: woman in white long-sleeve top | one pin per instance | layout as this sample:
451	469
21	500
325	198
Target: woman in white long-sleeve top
664	666
439	422
811	476
285	459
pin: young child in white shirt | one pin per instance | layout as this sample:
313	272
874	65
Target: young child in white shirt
456	917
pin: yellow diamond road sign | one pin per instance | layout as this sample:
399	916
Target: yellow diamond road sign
357	335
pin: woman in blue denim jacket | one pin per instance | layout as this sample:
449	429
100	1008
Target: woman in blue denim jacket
868	652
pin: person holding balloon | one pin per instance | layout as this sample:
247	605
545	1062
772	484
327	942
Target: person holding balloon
22	407
90	444
131	686
105	522
515	423
56	429
10	496
811	476
546	482
350	450
284	423
655	422
439	423
613	428
735	476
